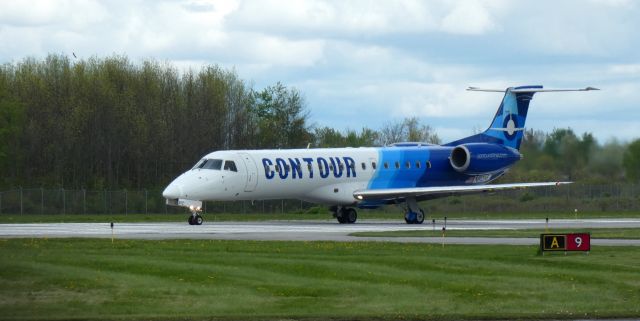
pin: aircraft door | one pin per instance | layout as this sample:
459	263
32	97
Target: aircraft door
252	172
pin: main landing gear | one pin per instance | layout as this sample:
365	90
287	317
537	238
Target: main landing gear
413	214
345	215
195	218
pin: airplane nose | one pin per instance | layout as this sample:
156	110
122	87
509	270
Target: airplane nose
172	191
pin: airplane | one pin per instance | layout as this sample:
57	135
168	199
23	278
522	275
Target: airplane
366	177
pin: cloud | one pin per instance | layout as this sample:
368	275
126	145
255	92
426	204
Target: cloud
468	17
70	13
346	19
621	70
575	28
330	18
361	62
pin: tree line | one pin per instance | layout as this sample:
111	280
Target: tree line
110	123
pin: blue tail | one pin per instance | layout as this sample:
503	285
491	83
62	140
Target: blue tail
507	127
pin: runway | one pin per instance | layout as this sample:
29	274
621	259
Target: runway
309	230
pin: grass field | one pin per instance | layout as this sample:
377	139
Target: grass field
197	280
600	233
362	215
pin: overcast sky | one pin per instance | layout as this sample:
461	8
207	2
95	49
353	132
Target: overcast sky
363	63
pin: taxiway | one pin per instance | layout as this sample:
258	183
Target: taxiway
310	230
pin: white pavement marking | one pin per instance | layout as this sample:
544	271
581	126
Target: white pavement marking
308	230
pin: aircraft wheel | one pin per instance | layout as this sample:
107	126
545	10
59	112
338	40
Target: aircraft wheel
419	217
198	220
409	218
352	215
341	215
190	220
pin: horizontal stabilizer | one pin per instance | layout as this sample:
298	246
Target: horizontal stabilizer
394	193
529	90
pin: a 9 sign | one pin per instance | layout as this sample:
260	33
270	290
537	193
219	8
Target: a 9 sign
578	242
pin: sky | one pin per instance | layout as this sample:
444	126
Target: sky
367	63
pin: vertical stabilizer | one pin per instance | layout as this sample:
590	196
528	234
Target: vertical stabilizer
507	126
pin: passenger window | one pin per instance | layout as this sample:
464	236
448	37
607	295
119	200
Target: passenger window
407	164
278	168
397	164
386	165
364	166
309	167
373	165
230	166
331	167
428	164
341	167
418	164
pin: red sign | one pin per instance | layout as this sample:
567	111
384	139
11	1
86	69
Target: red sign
565	242
579	242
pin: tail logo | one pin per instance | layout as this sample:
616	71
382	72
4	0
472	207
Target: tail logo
510	127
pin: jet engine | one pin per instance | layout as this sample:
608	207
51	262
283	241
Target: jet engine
480	158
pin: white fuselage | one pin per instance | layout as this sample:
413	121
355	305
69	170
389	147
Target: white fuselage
326	176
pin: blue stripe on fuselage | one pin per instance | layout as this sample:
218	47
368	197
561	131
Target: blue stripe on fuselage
439	174
393	177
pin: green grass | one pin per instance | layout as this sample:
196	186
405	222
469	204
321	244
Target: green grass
205	279
363	215
600	233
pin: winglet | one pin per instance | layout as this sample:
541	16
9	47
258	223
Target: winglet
485	89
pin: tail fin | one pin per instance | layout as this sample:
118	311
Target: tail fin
507	127
508	124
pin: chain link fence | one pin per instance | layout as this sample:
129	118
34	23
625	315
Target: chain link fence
589	198
565	198
64	201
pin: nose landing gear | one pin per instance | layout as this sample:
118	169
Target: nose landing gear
195	218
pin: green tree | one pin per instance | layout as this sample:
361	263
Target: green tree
281	118
605	162
407	130
570	152
328	137
631	161
366	138
12	118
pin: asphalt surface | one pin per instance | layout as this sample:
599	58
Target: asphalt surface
310	230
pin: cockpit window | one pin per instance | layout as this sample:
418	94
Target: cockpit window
199	164
230	166
215	164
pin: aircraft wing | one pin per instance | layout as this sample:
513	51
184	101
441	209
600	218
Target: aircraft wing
394	193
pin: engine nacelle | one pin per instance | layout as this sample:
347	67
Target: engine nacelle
479	158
